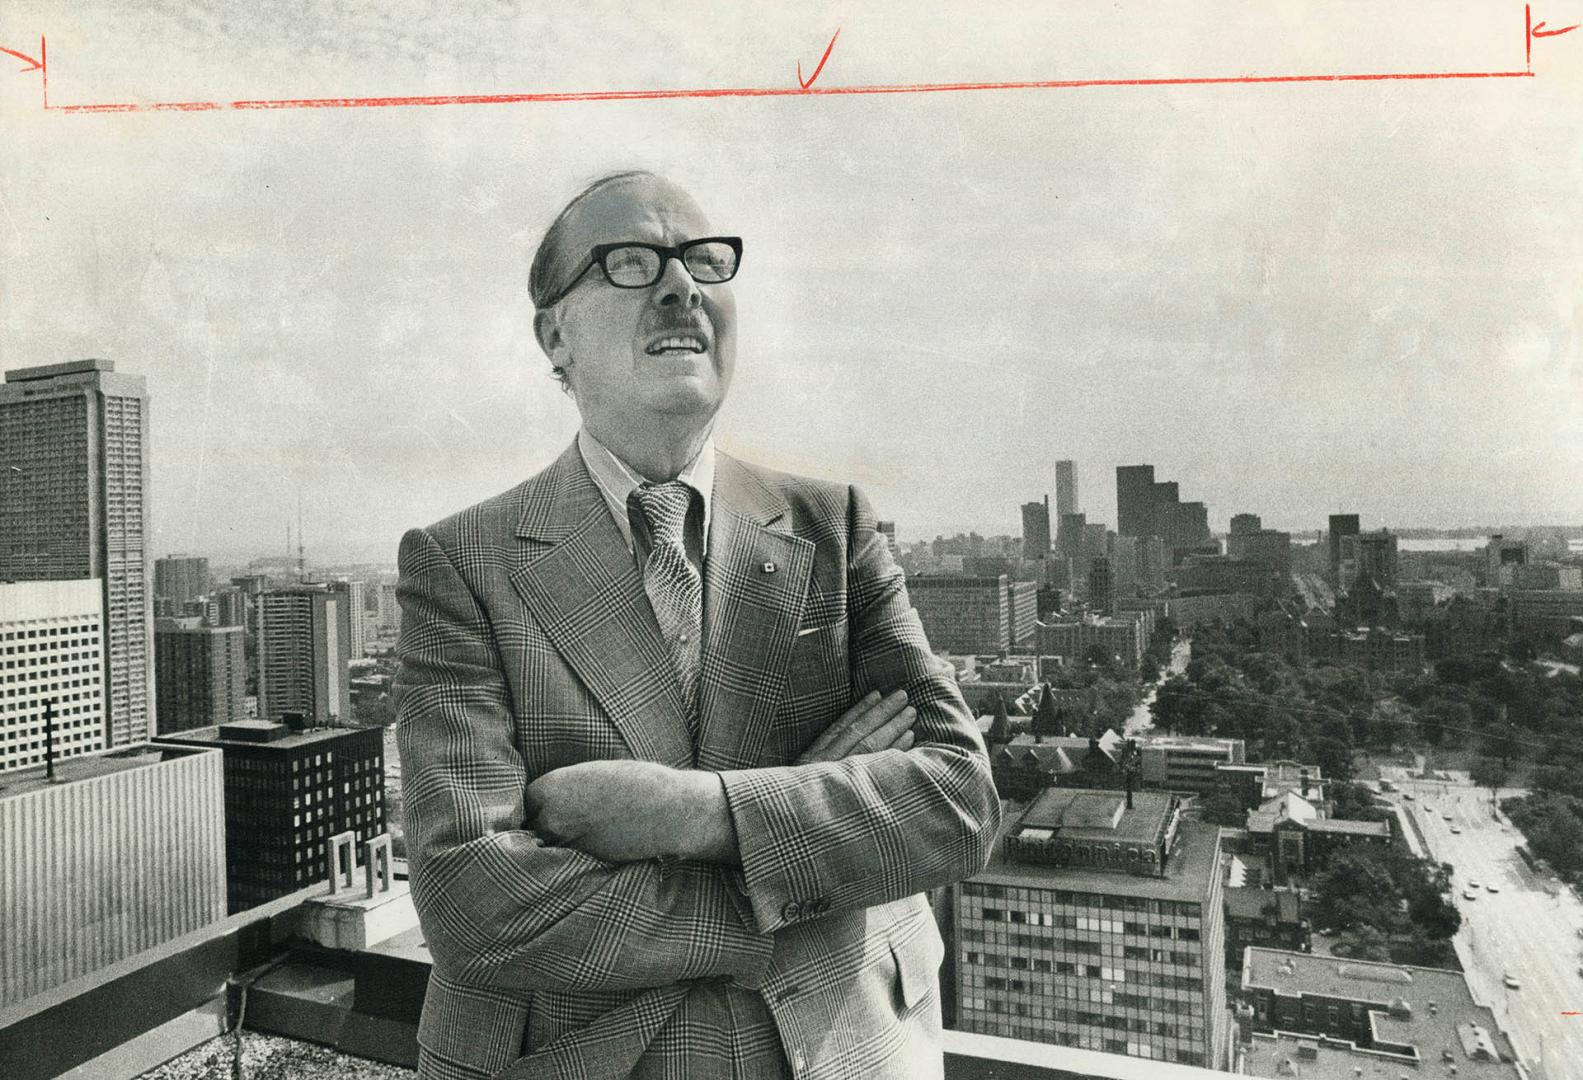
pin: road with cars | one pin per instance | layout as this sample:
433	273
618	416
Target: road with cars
1516	923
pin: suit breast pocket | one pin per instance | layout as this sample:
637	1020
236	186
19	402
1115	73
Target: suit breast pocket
818	684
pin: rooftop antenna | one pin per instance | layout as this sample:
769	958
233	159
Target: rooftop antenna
302	563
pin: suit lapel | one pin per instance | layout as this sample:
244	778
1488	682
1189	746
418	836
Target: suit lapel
755	586
581	586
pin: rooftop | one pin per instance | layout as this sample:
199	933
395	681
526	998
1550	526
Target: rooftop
1250	903
49	371
1189	871
74	770
1081	813
1429	1012
256	733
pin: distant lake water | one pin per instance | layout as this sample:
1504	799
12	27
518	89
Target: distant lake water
1443	543
1446	543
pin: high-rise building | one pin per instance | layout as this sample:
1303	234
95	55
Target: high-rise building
287	791
1036	529
1069	534
887	529
120	852
972	616
52	652
1135	501
304	646
354	591
201	673
1101	586
180	578
1098	924
1245	523
1368	555
1340	525
74	504
389	607
1268	548
1065	487
226	607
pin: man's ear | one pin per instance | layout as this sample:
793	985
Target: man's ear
547	328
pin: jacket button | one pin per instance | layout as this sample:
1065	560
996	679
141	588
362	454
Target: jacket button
792	911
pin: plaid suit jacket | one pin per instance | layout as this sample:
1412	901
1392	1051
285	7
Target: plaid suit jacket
527	644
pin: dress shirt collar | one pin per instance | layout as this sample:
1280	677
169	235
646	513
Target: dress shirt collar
616	480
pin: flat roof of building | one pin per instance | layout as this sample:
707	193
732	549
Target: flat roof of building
210	736
1399	997
1189	871
49	371
88	767
1088	814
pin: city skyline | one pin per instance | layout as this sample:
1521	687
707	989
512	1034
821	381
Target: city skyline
1293	301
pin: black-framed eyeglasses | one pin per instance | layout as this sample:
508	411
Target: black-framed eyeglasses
634	265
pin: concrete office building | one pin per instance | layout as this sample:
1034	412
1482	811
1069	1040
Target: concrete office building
1123	639
355	592
1546	611
1065	487
1036	529
1341	525
180	578
1322	1016
1185	763
201	672
304	646
975	616
1146	507
1369	555
1097	924
389	607
287	792
51	651
123	851
1101	586
74	504
226	607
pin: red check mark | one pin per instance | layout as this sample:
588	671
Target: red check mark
806	84
38	66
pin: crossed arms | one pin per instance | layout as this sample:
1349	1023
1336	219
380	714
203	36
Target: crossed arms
624	874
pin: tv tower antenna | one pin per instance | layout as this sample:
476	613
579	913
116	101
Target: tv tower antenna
302	562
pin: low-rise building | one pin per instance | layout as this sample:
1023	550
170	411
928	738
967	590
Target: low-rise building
1299	838
1259	782
1268	918
1325	1017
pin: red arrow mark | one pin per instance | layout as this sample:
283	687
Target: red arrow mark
39	67
1538	31
822	59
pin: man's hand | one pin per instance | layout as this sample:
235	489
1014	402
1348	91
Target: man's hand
627	811
874	723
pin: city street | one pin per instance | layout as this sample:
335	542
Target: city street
1531	928
1141	720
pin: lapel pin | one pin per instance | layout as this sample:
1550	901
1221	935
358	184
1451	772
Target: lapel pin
768	568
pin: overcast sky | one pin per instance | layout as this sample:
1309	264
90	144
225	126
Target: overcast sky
1292	299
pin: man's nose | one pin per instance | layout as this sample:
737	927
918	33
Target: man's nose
676	286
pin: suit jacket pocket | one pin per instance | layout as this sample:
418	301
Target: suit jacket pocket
818	686
918	958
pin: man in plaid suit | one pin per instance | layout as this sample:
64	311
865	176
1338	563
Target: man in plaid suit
678	761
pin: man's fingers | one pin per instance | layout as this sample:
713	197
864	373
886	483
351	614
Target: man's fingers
905	742
815	751
865	724
888	734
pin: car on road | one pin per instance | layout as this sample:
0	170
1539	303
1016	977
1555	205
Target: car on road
1456	830
1473	883
1446	816
1469	894
1492	887
1511	982
1408	795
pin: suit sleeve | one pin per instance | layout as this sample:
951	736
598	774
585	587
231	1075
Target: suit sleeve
497	906
872	828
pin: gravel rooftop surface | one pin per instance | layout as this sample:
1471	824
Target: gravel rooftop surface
270	1057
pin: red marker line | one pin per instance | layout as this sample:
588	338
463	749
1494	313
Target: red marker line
744	92
1539	30
822	59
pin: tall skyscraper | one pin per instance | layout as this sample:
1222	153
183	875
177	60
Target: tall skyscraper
1036	529
354	591
389	607
1340	525
201	674
304	645
51	649
1135	501
1101	586
1065	488
74	504
180	578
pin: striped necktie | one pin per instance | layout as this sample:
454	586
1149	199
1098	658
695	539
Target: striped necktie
673	585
